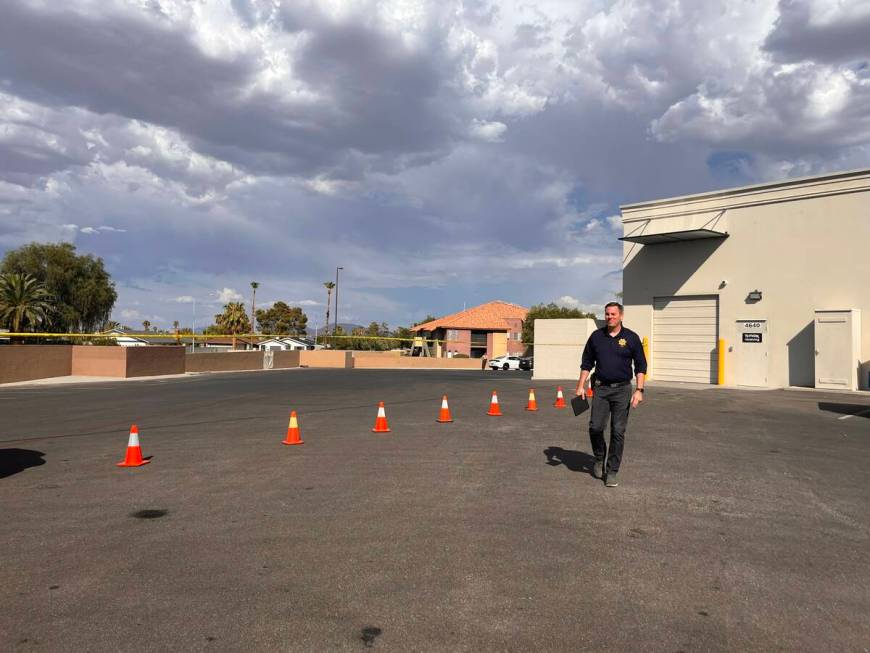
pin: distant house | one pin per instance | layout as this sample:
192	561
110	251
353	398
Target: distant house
134	338
287	343
492	329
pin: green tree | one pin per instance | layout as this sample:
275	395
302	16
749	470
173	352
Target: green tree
404	333
24	302
254	286
428	318
329	285
282	319
146	325
339	342
82	291
234	320
547	312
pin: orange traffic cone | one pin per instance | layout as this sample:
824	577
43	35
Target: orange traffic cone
533	403
381	421
560	399
494	408
589	392
134	451
444	414
293	435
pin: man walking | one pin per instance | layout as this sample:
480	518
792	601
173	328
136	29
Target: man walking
611	350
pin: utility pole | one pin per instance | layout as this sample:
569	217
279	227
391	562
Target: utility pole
336	298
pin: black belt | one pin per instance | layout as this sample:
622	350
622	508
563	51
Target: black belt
611	385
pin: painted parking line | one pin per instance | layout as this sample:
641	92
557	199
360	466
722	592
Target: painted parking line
859	414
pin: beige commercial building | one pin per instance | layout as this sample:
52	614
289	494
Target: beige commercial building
777	273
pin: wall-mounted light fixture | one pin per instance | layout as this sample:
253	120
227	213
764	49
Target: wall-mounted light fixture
754	296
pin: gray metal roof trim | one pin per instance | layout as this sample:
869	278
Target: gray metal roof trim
675	237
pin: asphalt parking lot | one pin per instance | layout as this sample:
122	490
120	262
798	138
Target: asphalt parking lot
742	520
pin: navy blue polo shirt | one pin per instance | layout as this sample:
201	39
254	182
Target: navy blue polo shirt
611	356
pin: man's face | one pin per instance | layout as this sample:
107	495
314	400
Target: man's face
612	316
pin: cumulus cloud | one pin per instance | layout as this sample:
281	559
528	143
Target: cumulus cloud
99	230
568	301
488	131
441	152
227	295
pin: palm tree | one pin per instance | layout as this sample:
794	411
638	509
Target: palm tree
233	320
146	325
254	285
23	301
175	325
329	286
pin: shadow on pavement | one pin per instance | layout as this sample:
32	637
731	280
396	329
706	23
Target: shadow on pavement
858	410
576	461
13	461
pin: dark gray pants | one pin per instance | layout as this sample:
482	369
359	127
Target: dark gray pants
613	403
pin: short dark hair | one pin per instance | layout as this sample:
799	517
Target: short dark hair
617	304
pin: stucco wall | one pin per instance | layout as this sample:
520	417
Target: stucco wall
89	360
804	254
224	362
326	358
28	362
285	359
154	361
559	347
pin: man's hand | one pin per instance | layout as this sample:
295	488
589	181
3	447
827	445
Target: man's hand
636	398
580	391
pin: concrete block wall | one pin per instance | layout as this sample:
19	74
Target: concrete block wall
285	359
365	362
224	362
326	358
89	360
29	362
153	361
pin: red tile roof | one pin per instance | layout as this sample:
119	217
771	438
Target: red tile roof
491	316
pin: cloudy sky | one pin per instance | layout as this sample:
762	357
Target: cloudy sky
444	153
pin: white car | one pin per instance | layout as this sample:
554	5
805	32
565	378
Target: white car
505	363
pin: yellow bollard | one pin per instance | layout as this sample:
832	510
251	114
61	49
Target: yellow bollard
645	343
721	372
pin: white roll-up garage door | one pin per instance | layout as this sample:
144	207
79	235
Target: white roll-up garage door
685	331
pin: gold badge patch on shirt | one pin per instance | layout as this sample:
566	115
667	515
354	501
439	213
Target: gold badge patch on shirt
623	342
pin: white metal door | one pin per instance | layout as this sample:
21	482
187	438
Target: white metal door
752	349
837	336
685	333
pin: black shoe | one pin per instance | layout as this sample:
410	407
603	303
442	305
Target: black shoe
598	469
611	480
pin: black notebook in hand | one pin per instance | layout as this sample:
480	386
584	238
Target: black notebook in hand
580	405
